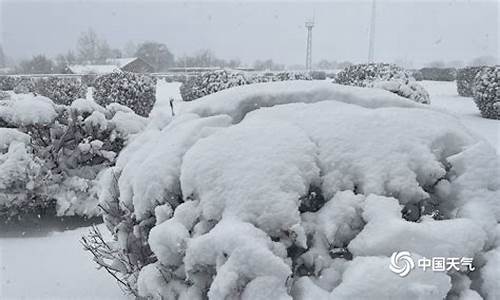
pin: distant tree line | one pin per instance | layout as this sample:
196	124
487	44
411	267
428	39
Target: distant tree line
93	49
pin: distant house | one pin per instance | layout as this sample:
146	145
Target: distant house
132	64
91	69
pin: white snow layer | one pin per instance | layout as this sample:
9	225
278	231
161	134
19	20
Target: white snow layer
241	170
26	109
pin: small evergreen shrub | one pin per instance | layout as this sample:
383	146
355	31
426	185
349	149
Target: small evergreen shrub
24	85
4	95
211	82
61	90
465	80
384	76
487	92
136	91
57	157
7	83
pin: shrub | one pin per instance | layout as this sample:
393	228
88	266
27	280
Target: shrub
487	92
362	74
4	95
417	75
136	91
61	90
384	76
439	74
465	80
24	85
7	83
218	208
211	82
54	153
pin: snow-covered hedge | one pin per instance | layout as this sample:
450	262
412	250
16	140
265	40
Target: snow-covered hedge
487	92
51	152
385	76
301	190
133	90
438	74
61	90
465	80
211	82
7	83
4	95
24	85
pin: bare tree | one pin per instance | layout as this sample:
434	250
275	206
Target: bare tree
93	49
37	65
156	54
130	49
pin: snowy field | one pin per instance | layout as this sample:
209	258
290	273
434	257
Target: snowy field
56	267
444	95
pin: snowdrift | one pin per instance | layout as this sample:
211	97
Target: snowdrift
297	190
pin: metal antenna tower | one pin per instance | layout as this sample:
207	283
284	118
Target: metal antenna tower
309	26
371	46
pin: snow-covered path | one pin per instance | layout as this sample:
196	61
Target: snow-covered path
444	95
53	267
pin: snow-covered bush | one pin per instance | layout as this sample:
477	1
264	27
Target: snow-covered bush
487	92
7	83
438	74
4	95
362	74
300	191
133	90
54	153
61	90
211	82
24	85
465	80
417	75
385	76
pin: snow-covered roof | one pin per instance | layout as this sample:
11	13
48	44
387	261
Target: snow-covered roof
93	69
120	62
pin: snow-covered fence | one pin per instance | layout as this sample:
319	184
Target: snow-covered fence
465	80
384	76
487	92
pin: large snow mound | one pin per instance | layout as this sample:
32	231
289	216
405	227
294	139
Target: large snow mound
303	190
24	110
237	102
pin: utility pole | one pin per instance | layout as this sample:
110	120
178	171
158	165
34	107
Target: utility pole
371	46
309	26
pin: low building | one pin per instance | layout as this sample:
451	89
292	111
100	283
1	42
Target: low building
132	64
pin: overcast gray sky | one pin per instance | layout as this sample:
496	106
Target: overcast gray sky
418	31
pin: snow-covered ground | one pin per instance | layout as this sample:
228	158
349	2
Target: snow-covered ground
56	267
53	267
444	95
